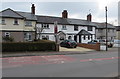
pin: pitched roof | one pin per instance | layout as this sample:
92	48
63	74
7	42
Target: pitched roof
28	16
103	25
84	32
117	28
61	32
60	20
9	13
80	22
51	20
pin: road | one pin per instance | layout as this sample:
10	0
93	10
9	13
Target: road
104	64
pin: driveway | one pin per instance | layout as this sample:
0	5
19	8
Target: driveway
78	49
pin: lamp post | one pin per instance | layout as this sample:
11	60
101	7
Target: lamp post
106	30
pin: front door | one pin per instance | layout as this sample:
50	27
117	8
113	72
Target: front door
79	38
75	38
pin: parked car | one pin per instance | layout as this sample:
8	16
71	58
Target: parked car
93	42
68	43
116	43
102	42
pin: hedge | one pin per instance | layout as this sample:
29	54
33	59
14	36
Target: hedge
28	46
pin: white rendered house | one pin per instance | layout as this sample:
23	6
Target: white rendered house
82	31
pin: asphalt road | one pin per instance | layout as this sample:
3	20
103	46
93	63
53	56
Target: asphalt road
104	64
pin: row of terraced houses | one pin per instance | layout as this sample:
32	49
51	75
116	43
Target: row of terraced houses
27	26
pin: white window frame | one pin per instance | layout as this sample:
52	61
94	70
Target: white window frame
7	34
45	36
113	30
64	27
45	26
89	28
75	28
27	36
28	23
108	30
99	30
16	20
2	21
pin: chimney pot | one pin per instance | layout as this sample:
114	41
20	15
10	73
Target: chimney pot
89	17
64	14
33	9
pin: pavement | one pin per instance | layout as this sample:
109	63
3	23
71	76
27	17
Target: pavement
62	51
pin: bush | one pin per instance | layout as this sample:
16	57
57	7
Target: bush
8	39
28	46
42	40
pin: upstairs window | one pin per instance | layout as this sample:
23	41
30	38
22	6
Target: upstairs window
108	30
45	26
90	28
64	27
113	30
75	28
15	21
100	30
28	23
2	21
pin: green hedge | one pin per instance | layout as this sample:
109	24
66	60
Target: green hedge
28	46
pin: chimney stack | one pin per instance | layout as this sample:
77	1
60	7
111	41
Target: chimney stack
89	17
33	9
65	14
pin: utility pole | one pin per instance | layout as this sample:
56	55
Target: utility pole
106	30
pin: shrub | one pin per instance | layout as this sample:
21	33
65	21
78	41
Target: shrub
8	39
28	46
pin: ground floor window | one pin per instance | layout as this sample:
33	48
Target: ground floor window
7	34
88	37
61	38
84	37
28	36
69	37
45	37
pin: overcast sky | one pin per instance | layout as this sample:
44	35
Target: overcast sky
76	9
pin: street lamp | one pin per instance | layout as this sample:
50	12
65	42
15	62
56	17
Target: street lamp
106	30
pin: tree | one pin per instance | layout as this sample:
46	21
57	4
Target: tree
39	31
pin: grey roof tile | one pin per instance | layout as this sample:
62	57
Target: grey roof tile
28	16
10	14
51	20
16	14
80	22
84	32
103	25
117	28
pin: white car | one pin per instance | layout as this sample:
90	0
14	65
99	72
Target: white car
103	42
116	43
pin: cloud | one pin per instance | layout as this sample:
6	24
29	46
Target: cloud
77	10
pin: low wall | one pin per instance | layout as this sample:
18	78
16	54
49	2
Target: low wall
90	46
